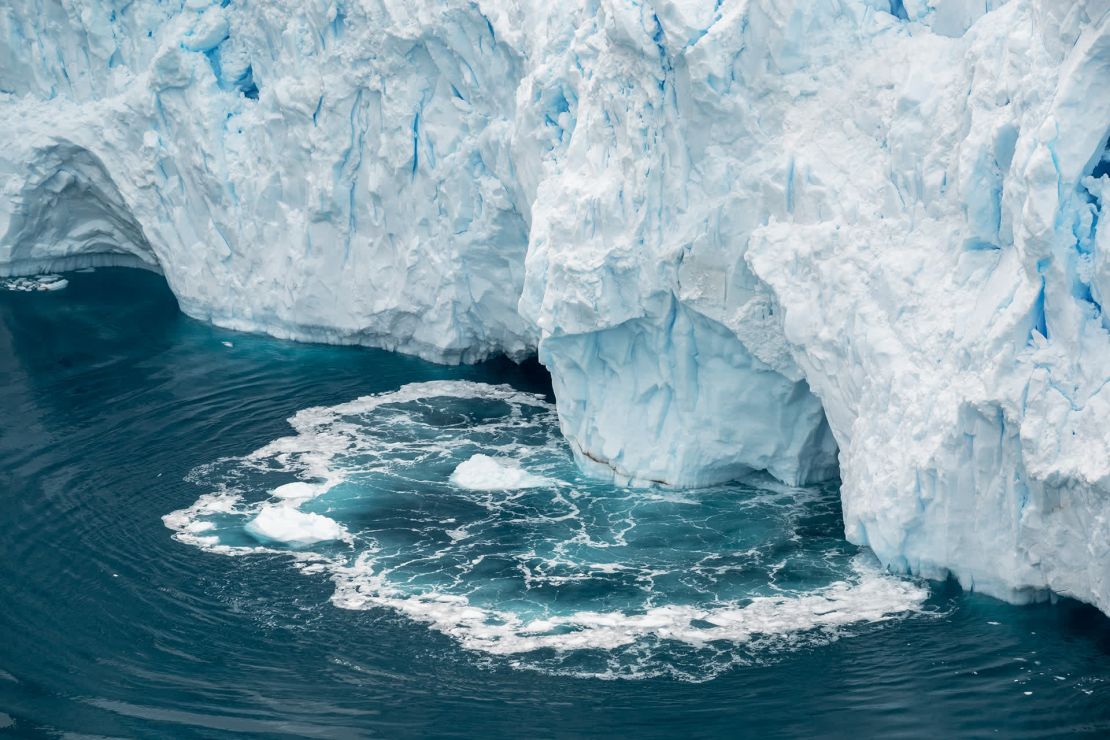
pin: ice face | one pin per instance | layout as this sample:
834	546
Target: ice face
682	402
742	235
325	172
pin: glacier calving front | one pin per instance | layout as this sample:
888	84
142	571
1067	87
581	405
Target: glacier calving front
741	234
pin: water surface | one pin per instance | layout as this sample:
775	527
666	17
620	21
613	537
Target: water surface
141	598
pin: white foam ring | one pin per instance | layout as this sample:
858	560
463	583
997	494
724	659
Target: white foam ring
873	597
516	472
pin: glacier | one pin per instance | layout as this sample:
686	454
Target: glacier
798	236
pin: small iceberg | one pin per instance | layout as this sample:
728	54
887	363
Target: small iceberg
291	526
485	473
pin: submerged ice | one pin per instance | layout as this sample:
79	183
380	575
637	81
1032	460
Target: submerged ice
743	235
458	505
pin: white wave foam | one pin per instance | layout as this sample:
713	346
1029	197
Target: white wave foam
871	597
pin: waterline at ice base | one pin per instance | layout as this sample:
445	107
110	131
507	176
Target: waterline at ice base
775	256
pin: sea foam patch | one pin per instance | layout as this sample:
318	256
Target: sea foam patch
459	506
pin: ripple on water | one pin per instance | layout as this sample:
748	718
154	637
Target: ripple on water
457	505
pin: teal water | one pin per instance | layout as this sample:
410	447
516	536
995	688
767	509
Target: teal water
159	581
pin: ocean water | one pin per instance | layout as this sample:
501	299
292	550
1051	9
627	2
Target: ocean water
211	534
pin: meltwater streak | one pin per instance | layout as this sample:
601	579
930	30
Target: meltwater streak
457	504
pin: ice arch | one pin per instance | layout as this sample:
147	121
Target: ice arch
69	214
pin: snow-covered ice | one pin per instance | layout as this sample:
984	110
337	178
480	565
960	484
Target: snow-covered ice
297	490
286	524
484	473
743	235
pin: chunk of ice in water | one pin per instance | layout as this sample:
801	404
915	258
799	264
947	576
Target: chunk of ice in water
485	473
31	284
295	490
293	527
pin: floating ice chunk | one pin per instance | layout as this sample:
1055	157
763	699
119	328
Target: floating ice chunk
484	473
293	527
295	490
52	282
31	284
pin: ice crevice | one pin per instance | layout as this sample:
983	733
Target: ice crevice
797	237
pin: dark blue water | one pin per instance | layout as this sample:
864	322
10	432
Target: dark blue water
146	591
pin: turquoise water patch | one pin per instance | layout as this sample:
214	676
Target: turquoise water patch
457	504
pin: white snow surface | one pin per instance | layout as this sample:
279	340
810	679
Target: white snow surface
742	234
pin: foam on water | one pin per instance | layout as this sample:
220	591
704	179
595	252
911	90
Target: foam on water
458	505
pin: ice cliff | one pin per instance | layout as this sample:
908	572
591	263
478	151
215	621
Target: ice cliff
742	235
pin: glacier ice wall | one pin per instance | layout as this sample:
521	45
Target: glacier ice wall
681	401
742	234
339	172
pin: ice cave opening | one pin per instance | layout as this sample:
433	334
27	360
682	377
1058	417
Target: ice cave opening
69	214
